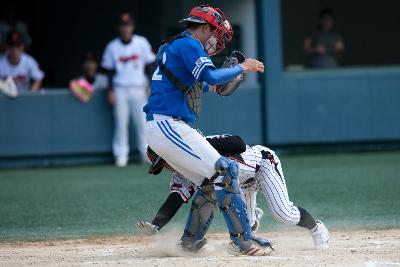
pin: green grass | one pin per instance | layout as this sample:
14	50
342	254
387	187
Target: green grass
358	190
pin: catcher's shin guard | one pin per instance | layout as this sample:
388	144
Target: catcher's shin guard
200	218
231	203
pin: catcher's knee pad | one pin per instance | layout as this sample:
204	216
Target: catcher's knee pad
230	201
235	215
229	171
200	217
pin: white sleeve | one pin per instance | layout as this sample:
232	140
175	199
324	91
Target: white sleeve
34	71
148	55
107	61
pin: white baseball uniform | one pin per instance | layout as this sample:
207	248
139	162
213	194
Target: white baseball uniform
268	179
26	70
129	85
256	174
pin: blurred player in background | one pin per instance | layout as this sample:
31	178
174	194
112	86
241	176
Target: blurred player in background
125	59
184	71
325	45
21	67
90	72
10	23
260	170
90	80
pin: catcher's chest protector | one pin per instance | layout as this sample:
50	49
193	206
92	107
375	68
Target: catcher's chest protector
193	97
195	92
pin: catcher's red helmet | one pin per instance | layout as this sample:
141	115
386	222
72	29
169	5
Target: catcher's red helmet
215	17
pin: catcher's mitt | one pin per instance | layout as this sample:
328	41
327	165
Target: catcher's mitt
228	88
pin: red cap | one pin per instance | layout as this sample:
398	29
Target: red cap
125	19
14	38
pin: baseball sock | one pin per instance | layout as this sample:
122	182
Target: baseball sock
306	220
168	209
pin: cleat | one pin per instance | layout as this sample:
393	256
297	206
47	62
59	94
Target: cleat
320	235
196	247
121	162
263	242
249	248
147	228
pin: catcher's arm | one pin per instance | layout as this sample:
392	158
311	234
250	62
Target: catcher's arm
213	76
231	70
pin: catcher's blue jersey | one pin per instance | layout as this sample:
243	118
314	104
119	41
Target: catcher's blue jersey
186	59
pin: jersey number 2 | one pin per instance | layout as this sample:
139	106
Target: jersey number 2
156	76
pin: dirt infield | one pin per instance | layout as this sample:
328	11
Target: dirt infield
372	248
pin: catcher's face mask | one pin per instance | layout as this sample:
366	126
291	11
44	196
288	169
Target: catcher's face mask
157	162
216	43
216	18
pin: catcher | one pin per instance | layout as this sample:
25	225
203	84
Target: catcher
260	170
183	70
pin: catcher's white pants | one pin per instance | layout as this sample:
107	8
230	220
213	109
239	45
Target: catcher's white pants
270	181
129	104
182	147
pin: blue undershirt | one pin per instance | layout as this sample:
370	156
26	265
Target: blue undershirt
220	76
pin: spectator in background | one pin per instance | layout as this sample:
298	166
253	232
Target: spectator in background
125	59
325	45
90	72
20	66
11	23
84	86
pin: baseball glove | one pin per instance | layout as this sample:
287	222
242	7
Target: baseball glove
228	88
81	89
